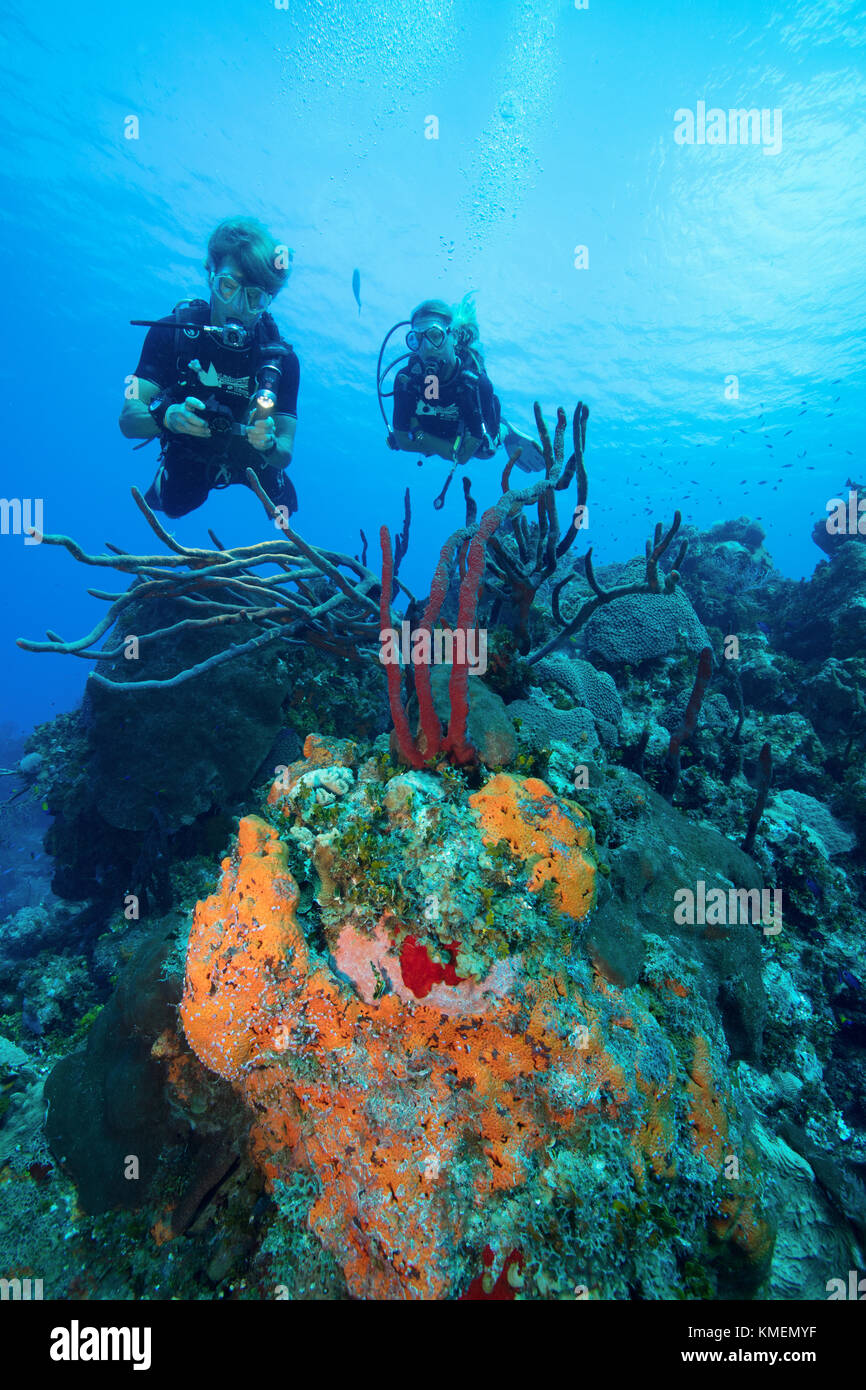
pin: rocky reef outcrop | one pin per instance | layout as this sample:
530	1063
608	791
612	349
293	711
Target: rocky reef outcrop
444	1059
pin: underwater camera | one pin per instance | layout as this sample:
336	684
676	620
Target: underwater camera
218	417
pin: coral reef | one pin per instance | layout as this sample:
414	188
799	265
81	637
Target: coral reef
493	1006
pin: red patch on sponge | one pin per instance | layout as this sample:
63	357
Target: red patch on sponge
502	1291
420	973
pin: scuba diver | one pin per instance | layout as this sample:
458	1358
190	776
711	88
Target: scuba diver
444	402
216	382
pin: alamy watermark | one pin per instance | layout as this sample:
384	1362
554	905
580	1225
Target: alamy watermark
77	1343
736	126
442	647
20	1290
846	518
855	1289
22	516
714	907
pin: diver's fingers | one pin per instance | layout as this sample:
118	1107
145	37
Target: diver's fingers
179	420
193	403
191	424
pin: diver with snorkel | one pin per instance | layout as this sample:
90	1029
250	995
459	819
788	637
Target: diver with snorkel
444	402
216	382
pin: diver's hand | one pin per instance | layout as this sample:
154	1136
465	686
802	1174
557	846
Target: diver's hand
262	433
182	419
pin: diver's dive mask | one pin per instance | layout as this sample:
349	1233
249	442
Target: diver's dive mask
227	288
434	334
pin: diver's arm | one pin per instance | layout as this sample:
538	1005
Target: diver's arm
272	437
405	434
135	421
433	446
429	444
419	443
285	441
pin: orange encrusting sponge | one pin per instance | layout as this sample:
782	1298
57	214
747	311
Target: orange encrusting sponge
244	948
539	829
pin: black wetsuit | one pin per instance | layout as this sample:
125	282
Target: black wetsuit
190	467
466	402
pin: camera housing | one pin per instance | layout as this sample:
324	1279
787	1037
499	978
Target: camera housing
218	417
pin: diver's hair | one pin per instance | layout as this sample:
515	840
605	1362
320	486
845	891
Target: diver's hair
255	252
432	308
461	318
464	326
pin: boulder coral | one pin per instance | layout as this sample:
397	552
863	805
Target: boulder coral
470	1097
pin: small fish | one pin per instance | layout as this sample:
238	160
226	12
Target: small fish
764	629
356	288
787	432
814	888
846	978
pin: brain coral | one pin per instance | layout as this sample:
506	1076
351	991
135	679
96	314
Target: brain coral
590	689
640	627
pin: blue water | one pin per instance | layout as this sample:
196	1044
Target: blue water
556	129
